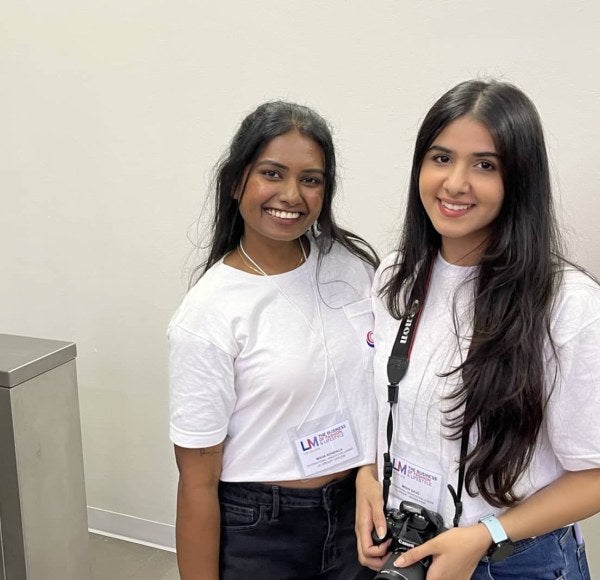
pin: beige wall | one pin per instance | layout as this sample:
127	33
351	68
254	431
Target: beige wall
113	112
591	533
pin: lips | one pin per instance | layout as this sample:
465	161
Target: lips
285	215
455	206
454	209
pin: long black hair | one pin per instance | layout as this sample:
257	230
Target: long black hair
266	122
503	376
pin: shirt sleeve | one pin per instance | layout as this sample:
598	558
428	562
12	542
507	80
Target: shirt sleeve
202	393
574	405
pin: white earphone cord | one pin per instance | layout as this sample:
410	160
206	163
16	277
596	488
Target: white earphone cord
313	284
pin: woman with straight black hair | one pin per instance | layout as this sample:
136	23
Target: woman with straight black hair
272	407
501	338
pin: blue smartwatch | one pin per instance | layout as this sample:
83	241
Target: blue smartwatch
502	546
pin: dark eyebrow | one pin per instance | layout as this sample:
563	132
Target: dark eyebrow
271	162
476	154
282	166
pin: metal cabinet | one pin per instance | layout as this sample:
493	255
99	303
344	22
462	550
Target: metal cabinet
43	519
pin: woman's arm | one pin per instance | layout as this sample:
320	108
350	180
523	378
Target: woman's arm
198	517
369	516
572	497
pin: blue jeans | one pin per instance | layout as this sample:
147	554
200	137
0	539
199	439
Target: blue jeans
268	531
553	556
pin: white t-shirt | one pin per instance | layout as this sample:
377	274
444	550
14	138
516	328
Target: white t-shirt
424	458
248	365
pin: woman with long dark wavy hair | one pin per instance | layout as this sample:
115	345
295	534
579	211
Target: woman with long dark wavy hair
500	341
272	408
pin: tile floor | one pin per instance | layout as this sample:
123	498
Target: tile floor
114	559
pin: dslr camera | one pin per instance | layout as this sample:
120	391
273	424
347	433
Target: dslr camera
409	526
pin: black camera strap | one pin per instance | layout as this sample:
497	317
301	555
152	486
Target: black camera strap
396	369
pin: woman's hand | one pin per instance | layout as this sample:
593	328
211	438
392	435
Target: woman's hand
369	517
455	553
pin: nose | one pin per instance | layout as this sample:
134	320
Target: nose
457	180
290	192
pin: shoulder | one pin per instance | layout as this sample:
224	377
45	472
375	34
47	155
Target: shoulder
342	277
579	281
389	261
576	305
206	289
208	304
385	270
345	263
577	291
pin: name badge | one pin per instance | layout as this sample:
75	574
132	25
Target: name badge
414	482
326	448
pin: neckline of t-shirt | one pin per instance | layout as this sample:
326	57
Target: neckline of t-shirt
275	277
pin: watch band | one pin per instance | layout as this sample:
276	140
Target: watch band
495	529
502	547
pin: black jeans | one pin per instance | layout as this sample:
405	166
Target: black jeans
268	531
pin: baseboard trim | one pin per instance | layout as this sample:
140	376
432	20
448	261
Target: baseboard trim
131	529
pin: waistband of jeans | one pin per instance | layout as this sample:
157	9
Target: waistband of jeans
557	532
263	493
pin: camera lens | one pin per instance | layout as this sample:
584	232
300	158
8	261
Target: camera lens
389	571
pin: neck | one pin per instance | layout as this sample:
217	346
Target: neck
273	258
461	255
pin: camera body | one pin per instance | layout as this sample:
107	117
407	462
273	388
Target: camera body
408	526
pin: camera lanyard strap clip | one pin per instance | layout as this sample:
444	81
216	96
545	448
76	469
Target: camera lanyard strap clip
457	493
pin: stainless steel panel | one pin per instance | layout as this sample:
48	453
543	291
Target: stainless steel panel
24	357
2	571
47	439
43	517
11	539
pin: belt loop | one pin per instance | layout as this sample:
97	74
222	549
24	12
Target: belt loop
578	534
275	510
